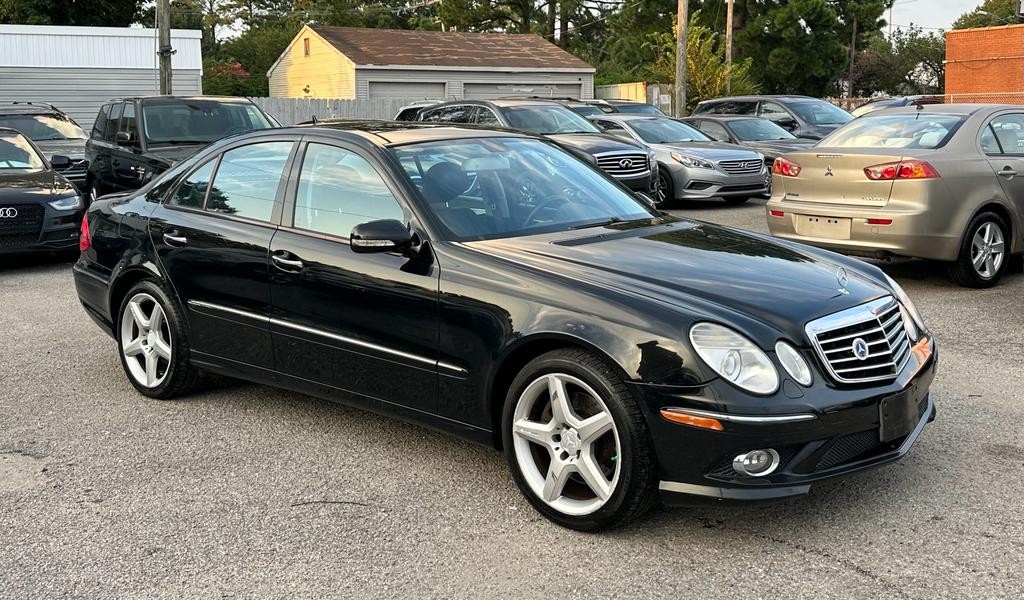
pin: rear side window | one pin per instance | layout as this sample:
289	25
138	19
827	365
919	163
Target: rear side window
110	127
338	189
247	180
192	192
1006	135
895	131
128	122
100	124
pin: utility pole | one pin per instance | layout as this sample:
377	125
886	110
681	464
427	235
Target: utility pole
163	23
853	54
681	17
728	44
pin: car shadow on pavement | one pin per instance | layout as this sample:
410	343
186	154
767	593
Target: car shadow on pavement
24	262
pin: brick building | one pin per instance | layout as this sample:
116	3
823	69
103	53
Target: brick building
985	64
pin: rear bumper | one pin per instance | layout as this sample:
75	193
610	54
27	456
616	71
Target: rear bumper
94	294
911	233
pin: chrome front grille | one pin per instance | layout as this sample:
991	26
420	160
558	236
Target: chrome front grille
741	167
623	164
864	343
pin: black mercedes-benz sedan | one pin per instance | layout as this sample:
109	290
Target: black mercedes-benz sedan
612	352
39	208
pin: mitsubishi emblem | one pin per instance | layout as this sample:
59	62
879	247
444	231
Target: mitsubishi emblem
828	171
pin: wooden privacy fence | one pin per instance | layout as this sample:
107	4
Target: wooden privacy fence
290	111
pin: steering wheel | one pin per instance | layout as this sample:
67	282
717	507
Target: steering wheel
543	204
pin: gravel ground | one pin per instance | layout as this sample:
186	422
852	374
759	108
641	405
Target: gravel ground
243	491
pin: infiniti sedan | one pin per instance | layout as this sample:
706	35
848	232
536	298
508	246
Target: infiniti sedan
612	352
942	182
692	166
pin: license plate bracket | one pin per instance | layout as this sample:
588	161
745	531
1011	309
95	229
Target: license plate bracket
833	228
898	415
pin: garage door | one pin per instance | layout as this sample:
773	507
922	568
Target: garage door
480	91
407	89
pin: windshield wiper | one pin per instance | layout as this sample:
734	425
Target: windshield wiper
602	223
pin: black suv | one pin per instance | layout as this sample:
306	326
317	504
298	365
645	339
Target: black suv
56	135
133	139
803	116
627	162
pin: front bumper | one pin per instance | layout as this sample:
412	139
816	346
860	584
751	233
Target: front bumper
696	184
843	437
912	231
47	230
643	182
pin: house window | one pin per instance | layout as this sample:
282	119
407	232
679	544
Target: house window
305	46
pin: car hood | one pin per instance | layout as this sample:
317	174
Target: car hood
705	269
33	186
774	148
172	155
713	151
73	149
595	143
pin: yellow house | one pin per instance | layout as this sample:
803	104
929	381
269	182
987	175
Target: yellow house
350	62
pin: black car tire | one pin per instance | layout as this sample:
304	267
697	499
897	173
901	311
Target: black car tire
668	190
635	492
181	377
962	271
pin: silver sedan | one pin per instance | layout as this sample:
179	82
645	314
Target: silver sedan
691	166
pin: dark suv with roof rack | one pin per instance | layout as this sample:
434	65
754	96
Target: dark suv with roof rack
629	163
803	116
57	136
134	139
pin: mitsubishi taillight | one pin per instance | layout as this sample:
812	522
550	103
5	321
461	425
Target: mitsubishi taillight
907	169
786	168
84	240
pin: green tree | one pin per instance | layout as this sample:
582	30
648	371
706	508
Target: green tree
911	62
97	13
989	13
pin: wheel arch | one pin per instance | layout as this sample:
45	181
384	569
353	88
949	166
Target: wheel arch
1004	213
522	352
124	280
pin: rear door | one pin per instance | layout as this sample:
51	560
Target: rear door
1003	144
366	324
212	236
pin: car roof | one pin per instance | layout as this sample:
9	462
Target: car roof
231	99
714	117
782	97
28	108
628	117
944	109
393	133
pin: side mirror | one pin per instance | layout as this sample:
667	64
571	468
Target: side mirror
60	162
787	123
125	137
387	235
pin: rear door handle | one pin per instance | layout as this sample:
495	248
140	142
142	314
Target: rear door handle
1008	173
175	240
290	265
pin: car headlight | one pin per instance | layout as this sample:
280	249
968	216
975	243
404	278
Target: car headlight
735	358
909	306
794	364
652	159
692	161
66	203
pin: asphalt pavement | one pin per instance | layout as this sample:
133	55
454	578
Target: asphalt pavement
244	491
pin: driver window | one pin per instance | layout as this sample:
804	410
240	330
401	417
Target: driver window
485	116
1008	131
714	131
338	189
773	112
612	127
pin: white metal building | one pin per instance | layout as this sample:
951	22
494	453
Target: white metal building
78	68
350	62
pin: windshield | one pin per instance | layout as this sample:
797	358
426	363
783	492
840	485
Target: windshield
41	128
544	119
639	109
17	153
877	130
754	130
507	187
198	121
819	112
666	131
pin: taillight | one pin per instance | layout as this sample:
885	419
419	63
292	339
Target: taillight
907	169
786	168
879	221
776	213
84	240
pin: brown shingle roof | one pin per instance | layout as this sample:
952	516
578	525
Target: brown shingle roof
447	49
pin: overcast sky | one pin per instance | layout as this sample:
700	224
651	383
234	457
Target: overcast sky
930	13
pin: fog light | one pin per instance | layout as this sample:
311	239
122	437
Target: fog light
756	463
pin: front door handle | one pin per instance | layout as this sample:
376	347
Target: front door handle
172	239
290	265
1008	172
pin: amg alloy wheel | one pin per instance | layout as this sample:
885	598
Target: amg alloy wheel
983	252
577	443
153	343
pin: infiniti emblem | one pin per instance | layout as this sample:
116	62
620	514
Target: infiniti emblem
859	348
8	213
843	279
828	171
625	163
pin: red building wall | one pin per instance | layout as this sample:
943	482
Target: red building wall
985	64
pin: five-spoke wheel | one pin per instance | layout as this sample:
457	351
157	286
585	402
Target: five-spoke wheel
983	252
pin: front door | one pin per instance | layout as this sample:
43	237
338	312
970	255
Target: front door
365	324
1002	142
213	237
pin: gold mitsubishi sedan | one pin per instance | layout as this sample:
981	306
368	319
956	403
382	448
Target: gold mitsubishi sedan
943	182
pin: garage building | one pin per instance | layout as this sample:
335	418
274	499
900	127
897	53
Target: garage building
77	69
349	62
